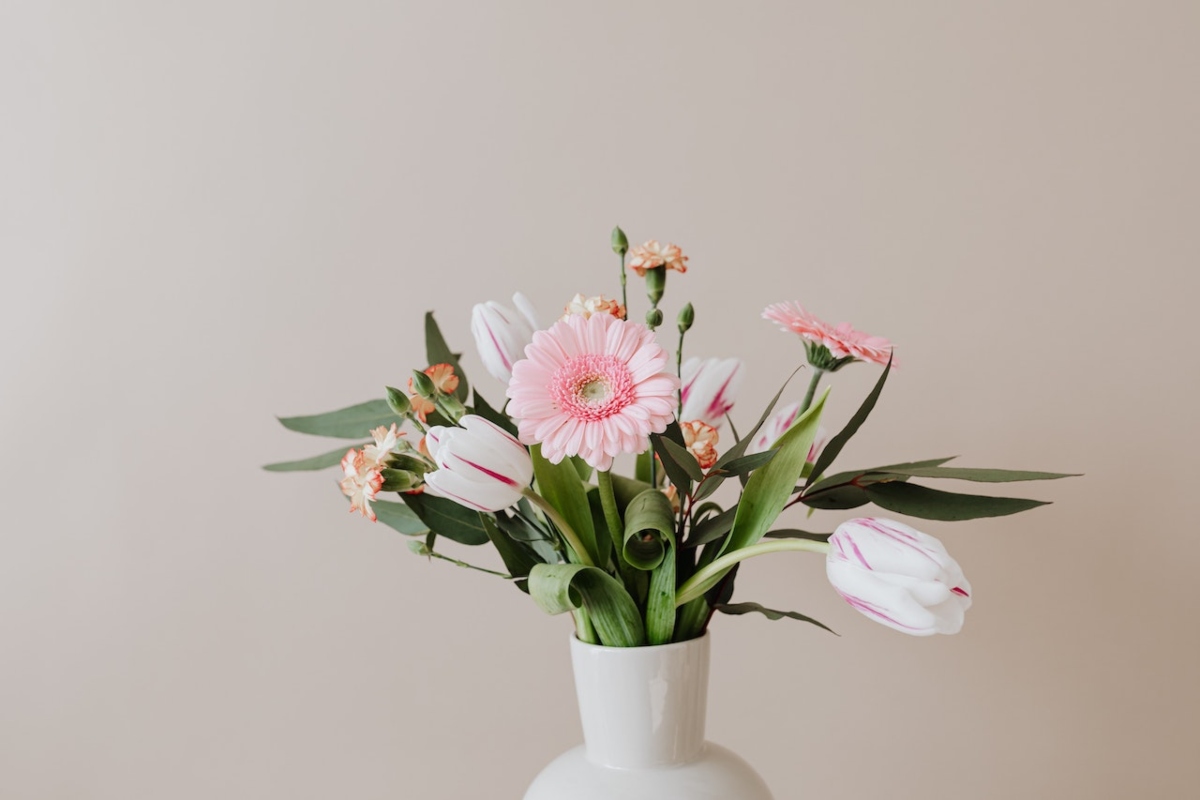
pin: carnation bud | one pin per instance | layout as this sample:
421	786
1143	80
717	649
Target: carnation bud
687	315
398	401
399	480
654	318
423	385
620	244
656	283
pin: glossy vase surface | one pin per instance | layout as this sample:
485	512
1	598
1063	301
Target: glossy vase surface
643	712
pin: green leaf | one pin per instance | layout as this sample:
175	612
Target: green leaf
769	613
483	408
641	469
712	528
793	533
649	529
739	448
517	557
769	488
875	473
926	503
626	489
660	600
323	461
560	485
677	472
836	498
399	517
351	422
980	475
582	467
831	450
438	352
559	588
447	518
747	464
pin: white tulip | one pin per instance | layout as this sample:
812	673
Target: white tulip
710	387
480	465
501	334
898	576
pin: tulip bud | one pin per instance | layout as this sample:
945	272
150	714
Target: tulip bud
709	389
620	244
398	401
423	385
687	316
656	284
654	318
480	465
898	576
502	334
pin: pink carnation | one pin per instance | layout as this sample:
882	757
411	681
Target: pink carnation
593	387
842	340
362	482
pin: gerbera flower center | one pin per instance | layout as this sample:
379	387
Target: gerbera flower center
592	387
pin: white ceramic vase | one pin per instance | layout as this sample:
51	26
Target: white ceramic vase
643	711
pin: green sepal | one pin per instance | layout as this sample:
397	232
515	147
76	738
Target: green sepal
351	422
559	588
399	480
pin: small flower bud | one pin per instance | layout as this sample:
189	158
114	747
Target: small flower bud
399	480
656	284
654	318
423	385
398	401
687	315
620	244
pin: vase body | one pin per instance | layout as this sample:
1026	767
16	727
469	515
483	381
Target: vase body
643	711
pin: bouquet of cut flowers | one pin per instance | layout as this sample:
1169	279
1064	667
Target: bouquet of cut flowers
647	558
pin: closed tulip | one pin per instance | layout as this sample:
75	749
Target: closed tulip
898	576
480	465
501	334
710	387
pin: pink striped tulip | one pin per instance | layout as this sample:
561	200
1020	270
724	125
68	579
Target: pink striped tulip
710	387
898	576
480	465
501	334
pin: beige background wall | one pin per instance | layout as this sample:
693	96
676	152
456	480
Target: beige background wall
214	212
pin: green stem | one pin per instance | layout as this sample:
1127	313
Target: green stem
612	515
624	295
567	531
706	577
812	390
457	563
679	374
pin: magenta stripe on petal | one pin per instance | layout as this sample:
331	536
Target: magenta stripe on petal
489	473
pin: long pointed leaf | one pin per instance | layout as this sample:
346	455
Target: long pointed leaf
560	485
980	475
926	503
447	518
831	450
352	422
769	613
399	517
323	461
559	588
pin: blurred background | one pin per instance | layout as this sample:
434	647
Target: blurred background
212	213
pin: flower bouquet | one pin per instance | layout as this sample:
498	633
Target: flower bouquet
647	558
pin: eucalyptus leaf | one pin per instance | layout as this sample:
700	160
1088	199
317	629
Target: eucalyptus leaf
438	352
794	533
747	464
836	497
679	474
979	474
352	422
769	613
925	503
399	517
559	588
447	518
323	461
831	450
712	528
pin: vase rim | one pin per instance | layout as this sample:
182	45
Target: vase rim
576	641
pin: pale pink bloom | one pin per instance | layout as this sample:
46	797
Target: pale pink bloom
710	387
587	306
700	439
361	483
842	340
594	387
898	576
386	441
652	254
777	425
502	333
480	465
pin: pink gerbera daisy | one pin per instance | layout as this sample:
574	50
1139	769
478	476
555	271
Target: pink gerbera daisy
593	387
842	340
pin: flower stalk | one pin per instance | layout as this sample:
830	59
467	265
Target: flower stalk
706	577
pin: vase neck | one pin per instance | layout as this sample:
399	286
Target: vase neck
642	706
